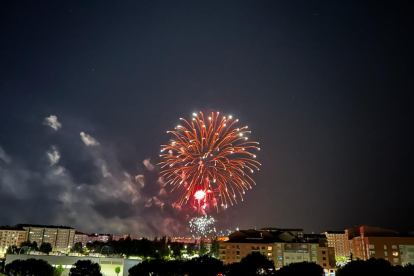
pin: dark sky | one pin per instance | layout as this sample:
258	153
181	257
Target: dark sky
325	86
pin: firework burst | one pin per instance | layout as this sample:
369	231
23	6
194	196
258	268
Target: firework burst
210	159
202	227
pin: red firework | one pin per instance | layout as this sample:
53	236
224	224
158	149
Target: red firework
207	155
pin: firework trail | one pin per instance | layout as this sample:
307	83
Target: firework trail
210	159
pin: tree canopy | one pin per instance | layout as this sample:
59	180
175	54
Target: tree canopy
85	268
29	267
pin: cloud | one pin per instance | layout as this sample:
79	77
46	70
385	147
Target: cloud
148	165
53	122
4	156
140	179
53	156
105	172
92	191
160	181
89	140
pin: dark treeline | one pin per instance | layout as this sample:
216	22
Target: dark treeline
151	249
147	249
377	267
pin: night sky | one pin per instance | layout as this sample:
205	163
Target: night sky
88	90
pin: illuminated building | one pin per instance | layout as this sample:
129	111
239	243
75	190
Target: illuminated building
60	237
280	246
81	237
10	236
371	242
338	240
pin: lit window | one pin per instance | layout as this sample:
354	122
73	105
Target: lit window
269	248
395	253
385	247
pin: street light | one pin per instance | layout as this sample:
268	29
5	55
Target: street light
22	248
101	254
103	248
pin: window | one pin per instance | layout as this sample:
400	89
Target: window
288	246
386	253
238	252
263	248
395	260
299	258
324	264
323	252
269	254
371	246
279	258
395	253
269	248
371	253
287	258
394	247
385	247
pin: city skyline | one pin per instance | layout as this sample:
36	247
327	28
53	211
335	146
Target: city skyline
88	91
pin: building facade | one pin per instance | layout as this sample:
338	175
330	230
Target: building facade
338	240
10	236
81	237
283	248
370	242
60	237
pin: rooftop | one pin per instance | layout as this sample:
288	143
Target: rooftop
43	226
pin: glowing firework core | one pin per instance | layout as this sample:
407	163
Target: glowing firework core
199	195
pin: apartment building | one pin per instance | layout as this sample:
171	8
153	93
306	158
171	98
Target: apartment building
10	236
337	240
370	242
81	237
282	247
60	237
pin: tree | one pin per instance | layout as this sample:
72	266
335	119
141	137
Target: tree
58	270
203	248
33	246
85	268
12	250
117	270
203	266
45	248
369	267
77	247
214	246
303	268
29	267
251	265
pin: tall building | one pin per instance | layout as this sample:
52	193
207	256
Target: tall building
338	240
81	237
370	242
282	247
60	237
10	236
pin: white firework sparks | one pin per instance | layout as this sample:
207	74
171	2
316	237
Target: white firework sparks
202	226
